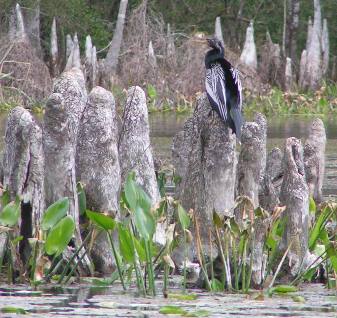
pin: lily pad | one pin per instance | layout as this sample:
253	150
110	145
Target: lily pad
183	296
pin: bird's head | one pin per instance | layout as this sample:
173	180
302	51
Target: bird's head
215	43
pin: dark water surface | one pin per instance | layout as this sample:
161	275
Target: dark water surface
165	126
85	301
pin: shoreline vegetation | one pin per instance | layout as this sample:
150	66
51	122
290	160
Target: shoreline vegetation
322	102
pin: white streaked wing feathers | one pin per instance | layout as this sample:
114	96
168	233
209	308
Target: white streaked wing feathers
237	81
215	87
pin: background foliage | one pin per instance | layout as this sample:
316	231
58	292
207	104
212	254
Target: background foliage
97	17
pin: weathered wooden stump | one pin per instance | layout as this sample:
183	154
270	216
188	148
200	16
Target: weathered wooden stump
61	121
134	143
23	168
271	184
97	166
251	166
314	159
205	155
295	196
135	153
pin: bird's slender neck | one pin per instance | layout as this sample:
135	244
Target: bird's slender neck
213	55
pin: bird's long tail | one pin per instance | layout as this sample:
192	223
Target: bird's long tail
236	116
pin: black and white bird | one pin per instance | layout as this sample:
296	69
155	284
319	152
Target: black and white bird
223	87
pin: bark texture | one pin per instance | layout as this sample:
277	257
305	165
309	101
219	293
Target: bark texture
248	55
111	60
325	47
288	76
134	143
272	181
23	175
251	166
312	75
97	166
314	159
151	56
23	163
293	7
252	160
61	121
295	196
74	59
135	152
54	50
270	60
32	19
204	154
218	30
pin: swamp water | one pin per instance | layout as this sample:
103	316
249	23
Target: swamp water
84	300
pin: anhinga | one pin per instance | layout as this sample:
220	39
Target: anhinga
223	87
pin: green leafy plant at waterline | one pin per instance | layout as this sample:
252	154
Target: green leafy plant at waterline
9	218
235	241
135	235
57	230
322	244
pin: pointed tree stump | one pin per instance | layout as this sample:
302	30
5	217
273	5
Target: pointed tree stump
97	166
61	121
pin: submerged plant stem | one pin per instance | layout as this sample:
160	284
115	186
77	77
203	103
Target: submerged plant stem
117	260
71	259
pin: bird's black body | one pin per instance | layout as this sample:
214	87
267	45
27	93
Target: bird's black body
223	87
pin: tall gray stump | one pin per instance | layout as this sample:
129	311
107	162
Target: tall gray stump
295	196
23	167
272	180
314	159
61	121
205	154
97	166
251	166
135	152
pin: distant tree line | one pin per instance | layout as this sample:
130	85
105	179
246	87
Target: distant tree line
98	17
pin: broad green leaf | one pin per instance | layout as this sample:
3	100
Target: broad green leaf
131	191
5	198
216	219
125	244
281	227
145	223
330	249
312	205
10	214
59	236
183	218
172	310
235	229
140	250
284	289
309	274
143	200
103	221
54	213
82	200
319	226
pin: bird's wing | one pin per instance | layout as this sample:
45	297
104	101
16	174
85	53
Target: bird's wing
216	89
236	77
